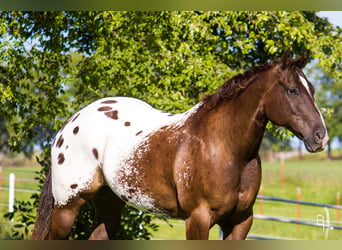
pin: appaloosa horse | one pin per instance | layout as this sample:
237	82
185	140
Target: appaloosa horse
201	166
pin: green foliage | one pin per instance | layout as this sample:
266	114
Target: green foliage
140	228
25	219
329	96
54	63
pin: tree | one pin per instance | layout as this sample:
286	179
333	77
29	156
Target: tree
329	96
169	59
4	137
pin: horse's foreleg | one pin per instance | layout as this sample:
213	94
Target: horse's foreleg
237	231
198	224
107	214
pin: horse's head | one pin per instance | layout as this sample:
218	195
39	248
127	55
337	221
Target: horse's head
290	103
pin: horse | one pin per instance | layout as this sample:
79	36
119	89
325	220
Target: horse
201	166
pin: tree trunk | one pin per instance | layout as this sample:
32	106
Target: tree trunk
300	153
329	156
1	158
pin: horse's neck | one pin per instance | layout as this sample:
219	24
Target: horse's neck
239	123
248	117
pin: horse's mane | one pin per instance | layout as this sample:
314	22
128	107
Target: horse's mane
235	85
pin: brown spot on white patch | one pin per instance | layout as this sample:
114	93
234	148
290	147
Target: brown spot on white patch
96	153
73	186
76	129
109	102
112	114
61	158
164	127
139	132
60	141
127	124
75	117
171	114
105	108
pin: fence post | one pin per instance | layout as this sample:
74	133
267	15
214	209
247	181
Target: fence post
298	205
0	182
338	194
11	193
261	201
328	223
282	170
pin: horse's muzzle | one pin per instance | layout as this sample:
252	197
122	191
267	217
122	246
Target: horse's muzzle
318	142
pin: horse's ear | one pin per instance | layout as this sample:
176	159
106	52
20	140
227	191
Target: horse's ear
303	60
286	60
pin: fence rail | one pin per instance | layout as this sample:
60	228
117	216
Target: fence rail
290	220
319	222
19	190
19	179
263	197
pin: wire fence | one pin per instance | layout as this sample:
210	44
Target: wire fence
321	220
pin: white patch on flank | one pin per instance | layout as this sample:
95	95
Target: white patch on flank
116	144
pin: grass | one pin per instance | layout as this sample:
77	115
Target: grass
319	181
25	184
24	180
177	231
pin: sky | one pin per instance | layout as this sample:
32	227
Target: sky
335	17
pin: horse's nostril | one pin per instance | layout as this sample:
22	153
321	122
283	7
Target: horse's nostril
318	136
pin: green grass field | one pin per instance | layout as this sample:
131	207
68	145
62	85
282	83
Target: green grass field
25	185
319	181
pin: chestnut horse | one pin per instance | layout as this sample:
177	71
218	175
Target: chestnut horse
201	166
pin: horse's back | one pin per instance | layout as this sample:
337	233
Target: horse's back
102	135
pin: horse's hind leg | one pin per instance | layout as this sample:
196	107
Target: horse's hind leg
107	214
63	218
237	230
198	224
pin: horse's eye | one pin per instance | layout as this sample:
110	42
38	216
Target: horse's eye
292	91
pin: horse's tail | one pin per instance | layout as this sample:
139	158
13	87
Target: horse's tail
42	225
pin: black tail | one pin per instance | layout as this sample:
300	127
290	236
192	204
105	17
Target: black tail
42	225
